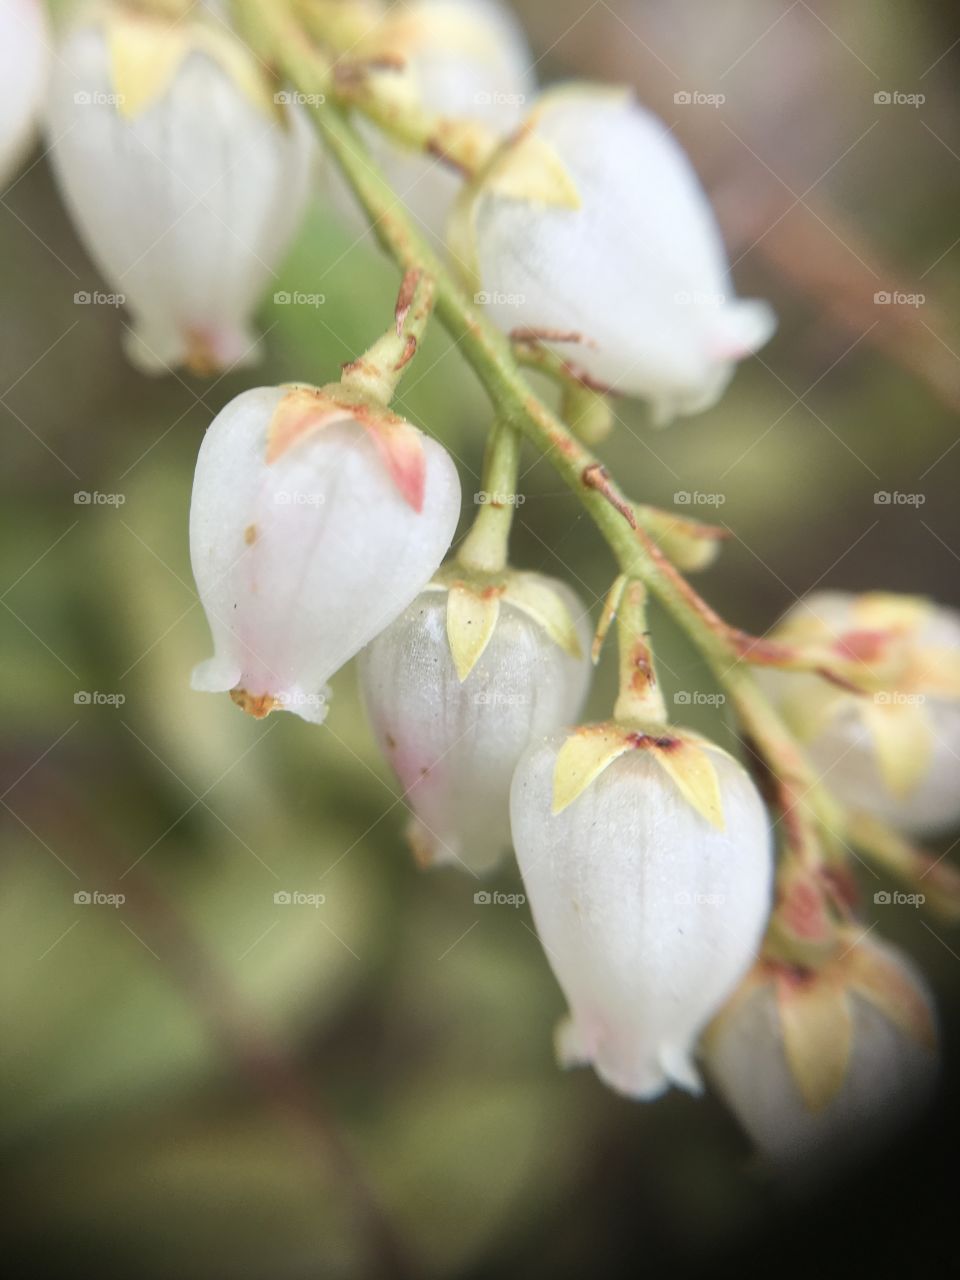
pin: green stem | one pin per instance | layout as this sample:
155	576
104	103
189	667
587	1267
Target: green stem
490	354
377	373
640	701
485	547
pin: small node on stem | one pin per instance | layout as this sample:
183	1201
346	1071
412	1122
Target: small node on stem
640	700
376	374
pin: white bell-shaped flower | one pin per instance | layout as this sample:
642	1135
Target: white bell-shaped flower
820	1067
647	861
893	753
457	689
593	234
465	60
314	523
24	66
185	175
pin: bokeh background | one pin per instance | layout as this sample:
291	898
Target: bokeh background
202	1083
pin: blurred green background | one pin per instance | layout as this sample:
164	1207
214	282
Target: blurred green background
202	1083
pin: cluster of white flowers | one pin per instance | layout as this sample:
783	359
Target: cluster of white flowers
188	176
321	520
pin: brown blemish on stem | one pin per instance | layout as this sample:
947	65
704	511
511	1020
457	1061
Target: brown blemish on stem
802	909
596	477
770	653
842	888
409	351
529	334
408	290
250	534
532	352
362	367
437	148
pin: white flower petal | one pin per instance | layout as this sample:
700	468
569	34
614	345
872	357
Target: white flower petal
24	66
889	1075
637	273
844	749
301	563
649	915
486	74
453	745
187	207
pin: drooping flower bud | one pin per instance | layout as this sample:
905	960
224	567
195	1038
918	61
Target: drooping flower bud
462	60
647	860
24	65
591	231
457	689
893	753
187	177
820	1066
315	521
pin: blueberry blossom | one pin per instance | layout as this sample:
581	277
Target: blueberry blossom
459	60
892	752
186	174
458	687
647	861
316	519
591	232
820	1065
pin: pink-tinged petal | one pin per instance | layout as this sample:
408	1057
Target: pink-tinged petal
300	564
300	413
400	445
